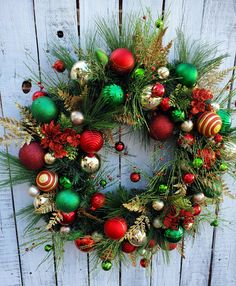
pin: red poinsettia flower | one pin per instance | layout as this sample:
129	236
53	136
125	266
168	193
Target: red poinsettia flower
71	137
200	96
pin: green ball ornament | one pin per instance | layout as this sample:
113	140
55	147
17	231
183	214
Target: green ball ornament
44	109
174	235
106	265
226	120
65	182
101	56
159	23
178	115
213	190
197	163
187	74
113	94
163	188
223	167
139	73
67	201
48	247
214	223
103	183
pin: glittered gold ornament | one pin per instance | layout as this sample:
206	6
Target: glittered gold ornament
33	191
187	126
157	223
77	117
138	238
149	102
199	198
229	151
39	201
49	159
64	229
163	72
90	164
80	71
158	205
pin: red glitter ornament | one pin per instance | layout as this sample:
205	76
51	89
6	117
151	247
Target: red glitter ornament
135	177
97	201
32	156
85	243
115	228
127	247
188	178
122	61
38	94
59	66
119	146
144	262
158	90
67	218
196	209
161	127
91	141
165	104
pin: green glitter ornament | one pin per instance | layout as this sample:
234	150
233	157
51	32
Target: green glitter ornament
106	265
223	167
163	188
197	163
113	94
214	223
65	182
187	74
101	56
44	109
174	235
67	201
139	73
178	115
226	120
48	247
103	183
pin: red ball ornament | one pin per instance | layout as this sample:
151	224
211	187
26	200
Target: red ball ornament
158	90
115	228
188	178
161	127
168	246
91	141
196	209
122	61
32	156
119	146
144	262
97	201
209	124
218	138
47	181
135	177
85	243
67	218
127	247
152	243
38	94
186	140
165	104
59	66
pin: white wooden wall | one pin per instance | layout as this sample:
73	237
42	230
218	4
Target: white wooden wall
27	27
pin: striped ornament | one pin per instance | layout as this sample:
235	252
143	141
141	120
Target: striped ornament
209	124
47	181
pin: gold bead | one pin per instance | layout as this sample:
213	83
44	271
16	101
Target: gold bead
49	158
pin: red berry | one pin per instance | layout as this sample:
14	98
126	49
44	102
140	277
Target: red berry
188	178
218	138
97	201
119	146
68	218
196	209
158	90
128	247
59	66
144	262
38	94
135	177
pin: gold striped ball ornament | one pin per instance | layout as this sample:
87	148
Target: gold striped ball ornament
209	124
47	181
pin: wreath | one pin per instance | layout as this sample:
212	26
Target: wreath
73	117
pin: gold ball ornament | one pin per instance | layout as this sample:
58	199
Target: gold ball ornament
64	229
209	124
158	205
149	102
199	198
187	126
90	164
138	238
33	191
49	159
80	71
157	223
229	151
47	181
163	72
77	117
39	201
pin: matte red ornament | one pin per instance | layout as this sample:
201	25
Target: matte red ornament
127	247
32	156
196	209
135	177
188	178
67	218
165	104
144	262
91	141
158	90
97	201
122	61
161	127
47	181
115	228
38	94
119	146
218	138
85	243
59	66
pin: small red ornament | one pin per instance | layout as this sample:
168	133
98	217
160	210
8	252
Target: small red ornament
119	146
91	141
165	104
97	201
85	243
218	138
128	247
38	94
47	181
196	209
32	156
186	140
115	228
59	66
188	178
161	127
135	177
122	61
67	218
152	243
144	262
168	246
158	90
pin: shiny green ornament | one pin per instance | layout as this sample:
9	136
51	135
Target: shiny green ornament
139	73
113	94
226	120
178	115
67	201
48	247
187	74
103	183
223	167
65	182
214	223
197	163
44	109
106	265
163	188
174	235
213	190
159	23
101	57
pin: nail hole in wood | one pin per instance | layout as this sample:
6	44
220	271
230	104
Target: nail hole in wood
60	34
26	86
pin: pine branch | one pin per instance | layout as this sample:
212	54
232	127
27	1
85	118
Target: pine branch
54	220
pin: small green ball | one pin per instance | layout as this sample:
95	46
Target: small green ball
101	56
223	167
67	201
139	73
187	74
174	235
48	247
178	115
159	23
214	190
226	120
44	109
106	265
113	94
103	183
163	188
65	182
197	163
214	223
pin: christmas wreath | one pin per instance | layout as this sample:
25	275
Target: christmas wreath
73	117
